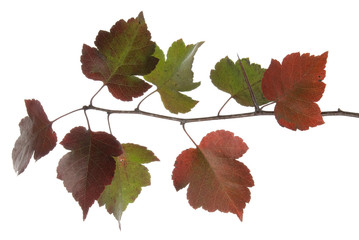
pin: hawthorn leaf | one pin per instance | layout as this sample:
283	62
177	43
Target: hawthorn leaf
121	55
217	181
36	136
295	86
90	165
130	176
174	75
228	77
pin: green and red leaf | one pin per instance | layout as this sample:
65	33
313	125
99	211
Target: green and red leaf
36	136
227	76
121	54
130	176
174	75
217	181
295	86
90	165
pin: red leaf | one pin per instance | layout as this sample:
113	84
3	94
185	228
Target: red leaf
296	85
36	136
90	165
216	180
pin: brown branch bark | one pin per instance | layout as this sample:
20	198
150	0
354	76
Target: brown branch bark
339	112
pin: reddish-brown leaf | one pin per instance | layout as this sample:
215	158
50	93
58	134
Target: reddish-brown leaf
121	54
295	86
36	136
90	165
217	181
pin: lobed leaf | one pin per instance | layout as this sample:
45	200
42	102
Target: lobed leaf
296	85
216	180
90	165
121	54
130	176
36	136
228	77
174	75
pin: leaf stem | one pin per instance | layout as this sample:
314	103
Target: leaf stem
138	106
184	129
267	104
96	93
256	107
219	112
87	119
76	110
108	122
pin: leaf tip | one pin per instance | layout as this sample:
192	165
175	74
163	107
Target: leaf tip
141	18
85	211
200	43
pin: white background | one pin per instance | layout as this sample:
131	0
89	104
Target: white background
306	183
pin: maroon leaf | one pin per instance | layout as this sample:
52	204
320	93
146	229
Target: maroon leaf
36	136
90	165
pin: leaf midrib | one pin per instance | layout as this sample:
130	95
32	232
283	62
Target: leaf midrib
124	55
219	180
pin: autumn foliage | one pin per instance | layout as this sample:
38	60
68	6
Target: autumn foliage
217	181
90	165
121	55
295	86
125	59
37	137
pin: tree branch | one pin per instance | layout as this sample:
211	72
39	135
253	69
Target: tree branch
339	112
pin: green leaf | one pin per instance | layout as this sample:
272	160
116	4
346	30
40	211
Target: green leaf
130	176
174	75
228	77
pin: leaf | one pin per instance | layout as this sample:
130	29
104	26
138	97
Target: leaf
36	136
216	180
90	165
228	77
296	85
121	54
174	75
130	176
